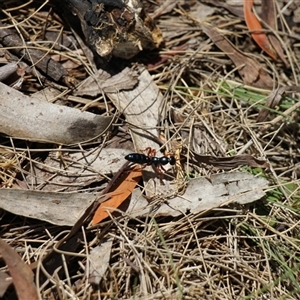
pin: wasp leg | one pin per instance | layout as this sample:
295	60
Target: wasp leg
159	172
150	152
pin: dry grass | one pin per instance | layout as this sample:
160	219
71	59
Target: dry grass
249	252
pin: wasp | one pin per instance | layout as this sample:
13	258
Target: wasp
139	158
151	159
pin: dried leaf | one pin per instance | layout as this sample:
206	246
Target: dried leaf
56	208
120	191
46	122
5	281
73	174
273	100
236	8
104	82
99	262
204	194
202	11
256	30
20	272
7	70
268	8
48	94
250	70
142	108
230	162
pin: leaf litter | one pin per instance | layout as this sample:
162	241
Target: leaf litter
193	213
22	275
